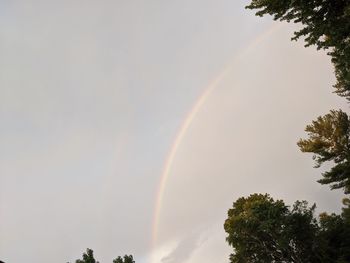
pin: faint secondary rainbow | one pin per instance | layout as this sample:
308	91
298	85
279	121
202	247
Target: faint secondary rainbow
188	121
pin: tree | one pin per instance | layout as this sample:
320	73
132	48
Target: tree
88	257
127	259
335	235
326	25
329	141
261	229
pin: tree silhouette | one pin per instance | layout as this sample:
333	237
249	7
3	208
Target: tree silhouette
127	259
88	257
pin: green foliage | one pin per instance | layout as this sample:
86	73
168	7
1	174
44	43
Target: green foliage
263	230
326	25
329	141
335	238
88	257
127	259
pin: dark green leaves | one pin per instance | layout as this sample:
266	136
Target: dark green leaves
88	257
261	229
127	259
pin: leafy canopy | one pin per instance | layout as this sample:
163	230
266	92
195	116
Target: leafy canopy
326	25
261	229
88	257
127	259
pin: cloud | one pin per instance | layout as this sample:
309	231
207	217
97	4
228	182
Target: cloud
185	248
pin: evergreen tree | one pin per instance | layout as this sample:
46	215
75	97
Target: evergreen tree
329	141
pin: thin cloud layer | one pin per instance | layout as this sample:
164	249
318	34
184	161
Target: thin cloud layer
184	249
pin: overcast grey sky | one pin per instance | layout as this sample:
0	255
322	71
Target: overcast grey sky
92	96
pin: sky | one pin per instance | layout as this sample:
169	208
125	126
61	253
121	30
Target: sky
130	127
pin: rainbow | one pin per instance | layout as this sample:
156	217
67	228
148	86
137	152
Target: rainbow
188	121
